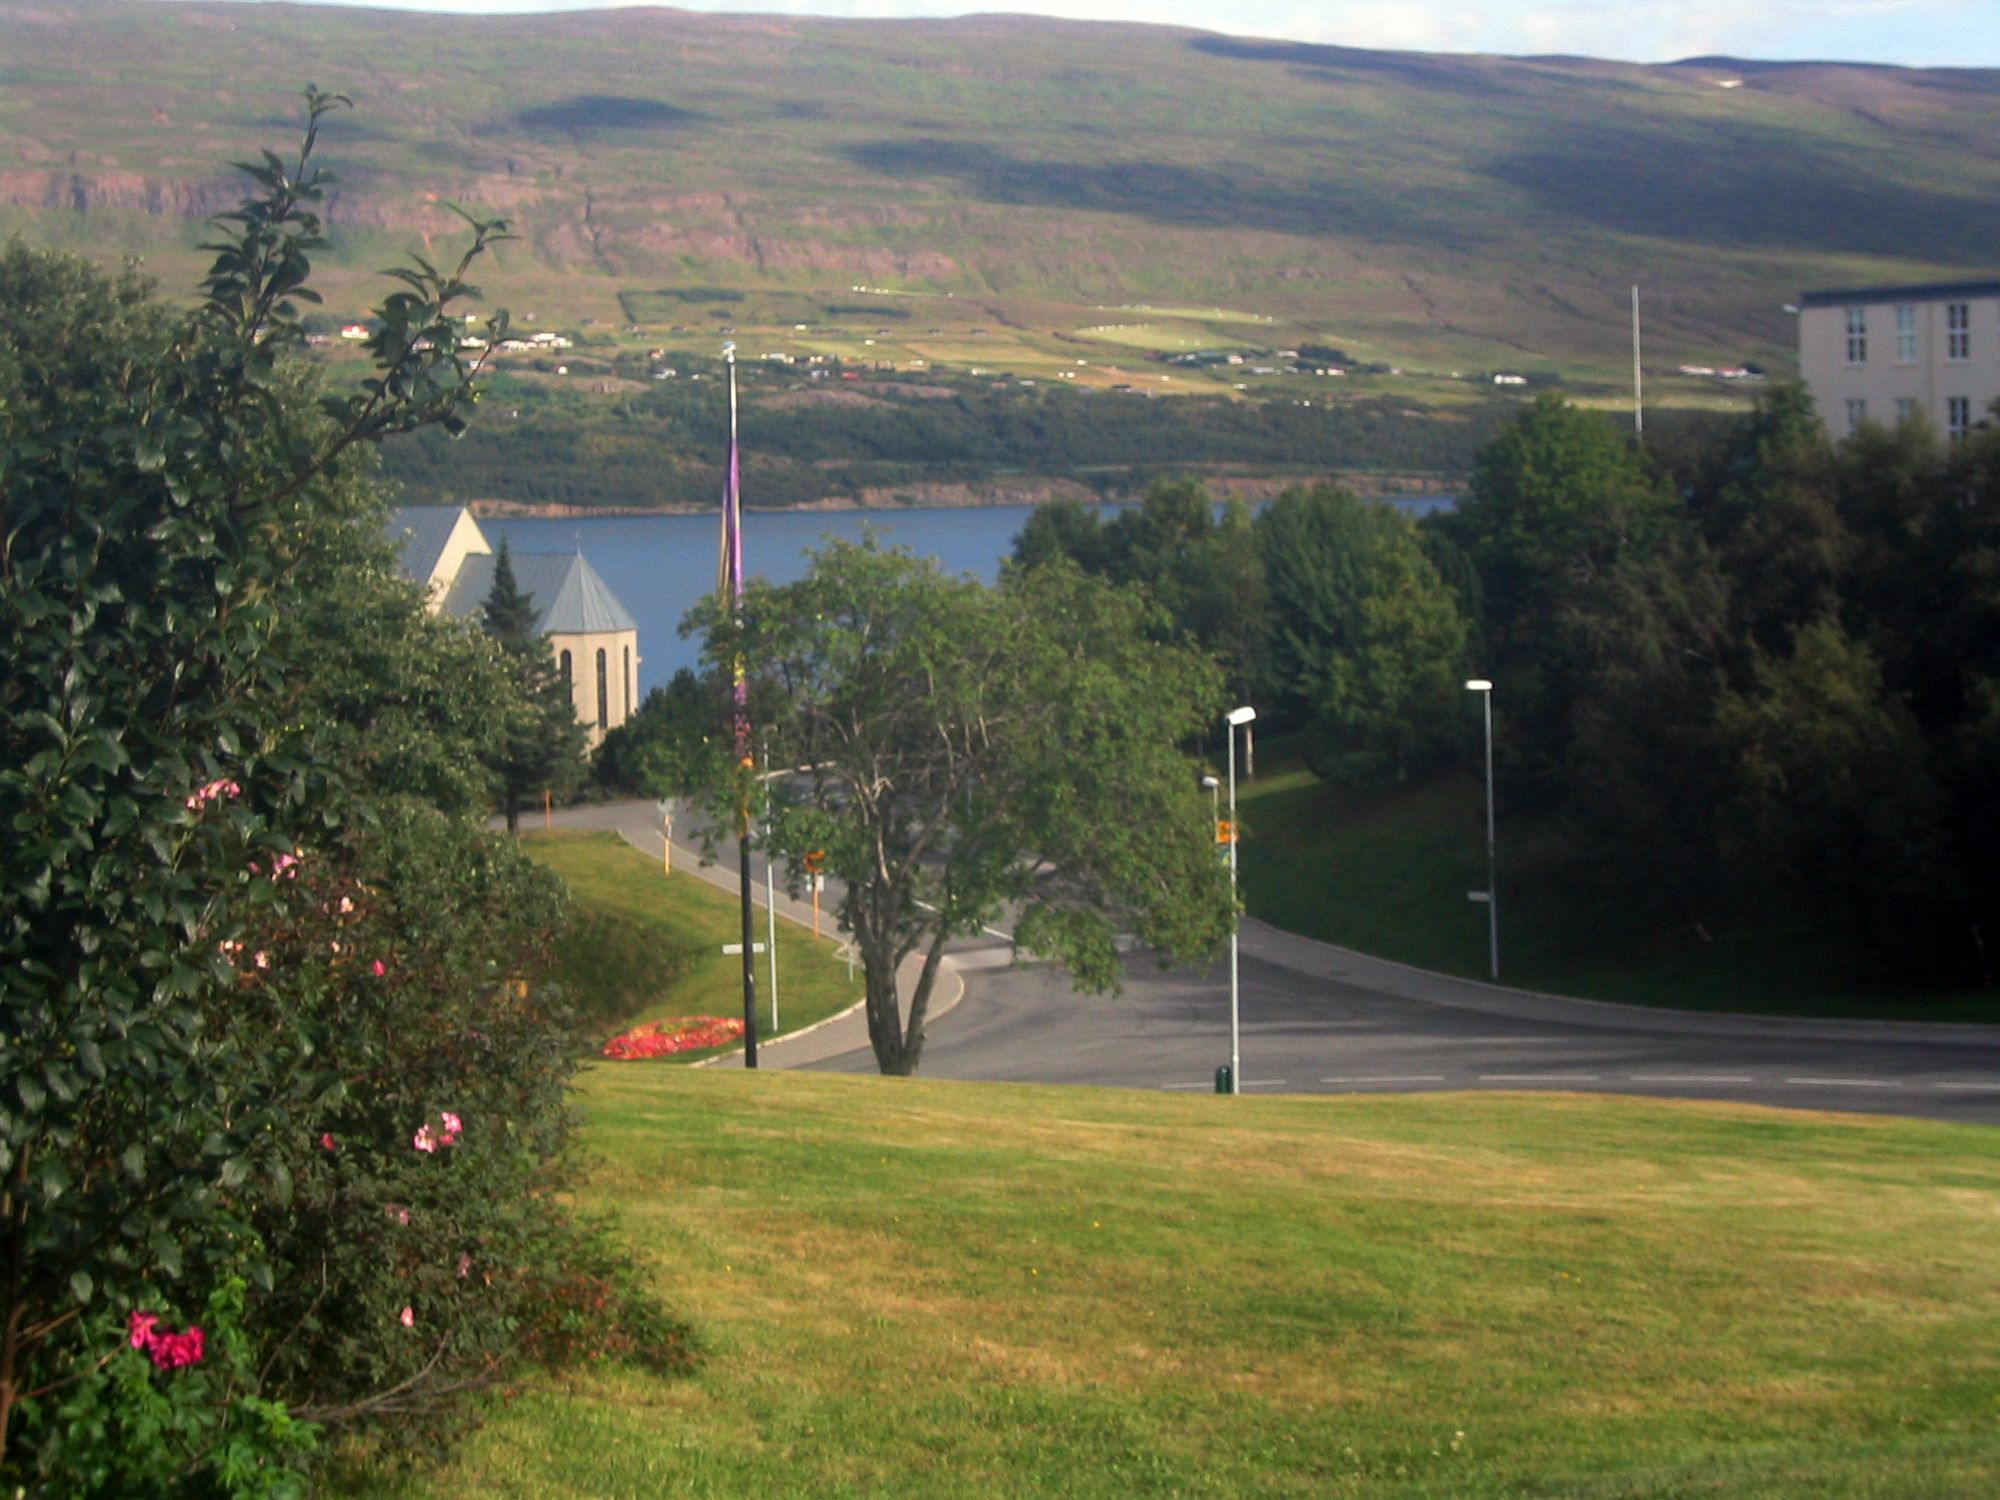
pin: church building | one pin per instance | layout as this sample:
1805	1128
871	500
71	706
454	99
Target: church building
593	637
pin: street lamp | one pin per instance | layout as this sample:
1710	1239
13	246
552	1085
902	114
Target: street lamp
1236	719
1491	895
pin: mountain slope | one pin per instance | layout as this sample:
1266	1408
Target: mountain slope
1449	208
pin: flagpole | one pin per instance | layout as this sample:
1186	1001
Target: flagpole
732	563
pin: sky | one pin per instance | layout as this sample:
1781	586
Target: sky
1916	33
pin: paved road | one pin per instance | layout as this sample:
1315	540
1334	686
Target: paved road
1303	1033
1318	1019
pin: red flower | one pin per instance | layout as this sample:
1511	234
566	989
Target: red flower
168	1351
664	1038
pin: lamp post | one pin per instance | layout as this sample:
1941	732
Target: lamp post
1236	719
1491	895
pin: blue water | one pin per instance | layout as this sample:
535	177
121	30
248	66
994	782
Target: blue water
661	566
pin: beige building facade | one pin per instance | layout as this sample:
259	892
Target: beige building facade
592	637
1887	354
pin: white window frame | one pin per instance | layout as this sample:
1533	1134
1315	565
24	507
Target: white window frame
1906	334
1957	416
1857	335
1958	331
1857	413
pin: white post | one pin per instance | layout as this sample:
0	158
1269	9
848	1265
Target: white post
1235	719
771	926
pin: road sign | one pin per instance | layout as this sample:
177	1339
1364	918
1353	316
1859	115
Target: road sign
815	861
737	948
1479	895
1225	831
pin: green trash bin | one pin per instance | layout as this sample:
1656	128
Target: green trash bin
1223	1082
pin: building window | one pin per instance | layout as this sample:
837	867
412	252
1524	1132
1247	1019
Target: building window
1857	335
562	666
1906	335
603	691
628	682
1906	408
1958	415
1958	330
1857	413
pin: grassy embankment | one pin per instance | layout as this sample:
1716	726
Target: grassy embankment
923	1289
1388	875
645	946
908	1288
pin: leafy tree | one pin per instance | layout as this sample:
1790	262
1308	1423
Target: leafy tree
1835	791
1774	521
1555	501
536	745
196	890
673	745
1365	642
978	754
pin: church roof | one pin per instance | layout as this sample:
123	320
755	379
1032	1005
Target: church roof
422	531
568	595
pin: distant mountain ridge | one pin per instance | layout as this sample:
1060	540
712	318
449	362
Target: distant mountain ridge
1465	206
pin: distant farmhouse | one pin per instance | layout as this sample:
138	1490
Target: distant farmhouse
593	637
1886	353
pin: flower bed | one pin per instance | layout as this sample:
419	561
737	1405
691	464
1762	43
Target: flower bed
664	1038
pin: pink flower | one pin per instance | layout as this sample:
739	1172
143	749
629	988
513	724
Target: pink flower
464	1265
423	1140
346	905
397	1212
326	1142
453	1127
378	968
168	1351
172	1351
262	959
408	1318
227	790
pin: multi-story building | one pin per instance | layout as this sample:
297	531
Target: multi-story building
592	637
1887	353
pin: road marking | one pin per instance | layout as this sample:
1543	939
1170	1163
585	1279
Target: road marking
1390	1078
1187	1085
1845	1083
1692	1078
1982	1087
1539	1077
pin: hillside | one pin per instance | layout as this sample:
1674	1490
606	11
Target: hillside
1064	192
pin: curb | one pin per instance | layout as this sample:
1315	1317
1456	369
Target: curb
1318	959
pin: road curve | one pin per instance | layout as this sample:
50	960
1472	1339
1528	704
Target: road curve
1320	1019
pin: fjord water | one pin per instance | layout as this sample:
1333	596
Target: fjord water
661	566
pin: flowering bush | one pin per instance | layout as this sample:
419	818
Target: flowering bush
665	1038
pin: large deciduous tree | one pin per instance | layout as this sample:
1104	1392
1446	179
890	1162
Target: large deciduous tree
972	755
1365	642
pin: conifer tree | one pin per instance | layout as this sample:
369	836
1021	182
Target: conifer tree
538	742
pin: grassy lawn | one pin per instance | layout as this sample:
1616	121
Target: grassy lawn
646	946
906	1288
1388	875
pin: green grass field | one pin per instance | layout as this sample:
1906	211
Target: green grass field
645	946
905	1288
1388	875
